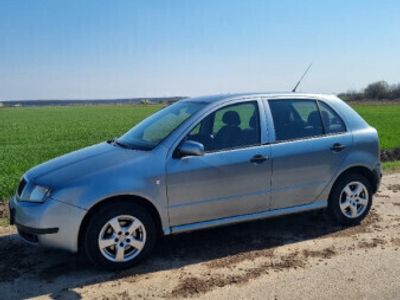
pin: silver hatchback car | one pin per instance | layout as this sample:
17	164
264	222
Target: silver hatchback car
198	163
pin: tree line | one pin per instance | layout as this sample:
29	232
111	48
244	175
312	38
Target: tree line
379	91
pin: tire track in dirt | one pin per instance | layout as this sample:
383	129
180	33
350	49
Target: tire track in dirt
190	286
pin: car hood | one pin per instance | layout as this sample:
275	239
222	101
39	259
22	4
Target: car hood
81	163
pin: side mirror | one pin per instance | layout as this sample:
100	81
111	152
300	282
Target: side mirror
191	148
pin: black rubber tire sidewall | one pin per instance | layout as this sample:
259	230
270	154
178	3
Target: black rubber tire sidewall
104	214
334	199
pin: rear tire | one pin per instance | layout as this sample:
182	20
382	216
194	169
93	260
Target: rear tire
119	235
350	200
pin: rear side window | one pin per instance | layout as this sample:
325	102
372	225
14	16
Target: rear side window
332	122
296	119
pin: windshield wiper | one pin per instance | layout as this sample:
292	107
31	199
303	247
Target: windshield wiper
114	141
111	141
122	145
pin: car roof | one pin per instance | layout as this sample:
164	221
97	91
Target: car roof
275	95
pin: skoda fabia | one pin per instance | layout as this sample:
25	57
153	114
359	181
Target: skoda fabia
198	163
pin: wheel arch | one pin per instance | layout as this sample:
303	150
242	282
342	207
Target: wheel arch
362	170
145	203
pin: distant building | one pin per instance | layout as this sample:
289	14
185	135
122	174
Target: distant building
145	101
1	104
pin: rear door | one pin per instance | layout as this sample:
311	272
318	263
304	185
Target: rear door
232	178
311	141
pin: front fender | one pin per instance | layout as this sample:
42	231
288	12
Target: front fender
88	191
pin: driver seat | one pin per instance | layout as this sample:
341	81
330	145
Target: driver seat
229	135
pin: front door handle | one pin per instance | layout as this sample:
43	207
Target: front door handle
258	159
337	147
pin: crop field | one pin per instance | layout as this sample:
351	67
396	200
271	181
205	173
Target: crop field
386	119
29	136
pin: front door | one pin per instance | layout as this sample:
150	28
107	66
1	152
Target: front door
232	178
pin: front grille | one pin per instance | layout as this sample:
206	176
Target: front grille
21	187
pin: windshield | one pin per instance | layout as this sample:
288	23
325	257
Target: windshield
154	129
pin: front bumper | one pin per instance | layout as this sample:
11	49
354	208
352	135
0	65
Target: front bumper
52	223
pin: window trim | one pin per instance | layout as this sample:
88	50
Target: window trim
320	118
255	101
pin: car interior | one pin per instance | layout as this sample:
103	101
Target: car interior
302	119
232	134
292	120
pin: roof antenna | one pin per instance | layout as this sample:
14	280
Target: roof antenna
301	78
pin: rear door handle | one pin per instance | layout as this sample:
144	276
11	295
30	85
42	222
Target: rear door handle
258	159
337	147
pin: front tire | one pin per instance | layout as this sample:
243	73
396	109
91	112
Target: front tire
350	200
119	235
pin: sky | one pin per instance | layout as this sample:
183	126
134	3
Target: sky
70	49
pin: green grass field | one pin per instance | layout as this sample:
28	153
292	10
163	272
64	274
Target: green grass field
386	119
29	136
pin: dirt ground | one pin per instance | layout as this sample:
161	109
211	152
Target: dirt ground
296	257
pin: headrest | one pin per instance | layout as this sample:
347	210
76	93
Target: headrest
231	118
314	119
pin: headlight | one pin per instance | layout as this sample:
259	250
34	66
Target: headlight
36	193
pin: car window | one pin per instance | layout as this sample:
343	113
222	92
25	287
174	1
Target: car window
295	119
332	122
245	112
233	126
154	132
304	109
154	129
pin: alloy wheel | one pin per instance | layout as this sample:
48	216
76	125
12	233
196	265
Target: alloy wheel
122	238
354	199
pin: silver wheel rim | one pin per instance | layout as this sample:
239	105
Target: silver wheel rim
354	199
122	238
